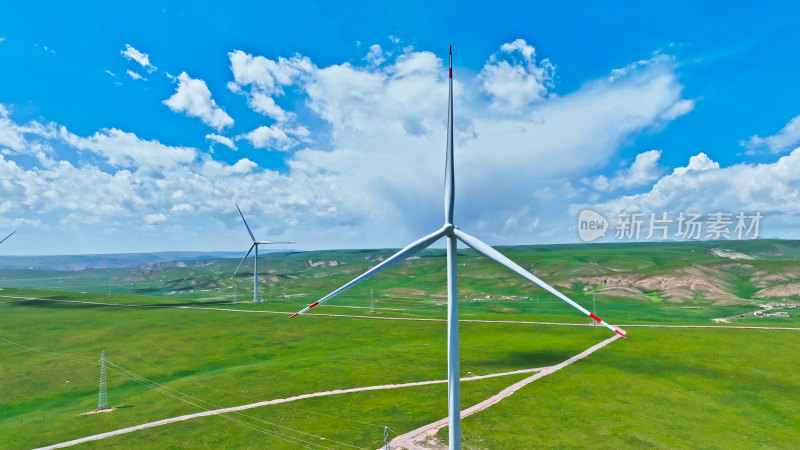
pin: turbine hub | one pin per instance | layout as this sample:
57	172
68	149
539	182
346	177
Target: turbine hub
448	229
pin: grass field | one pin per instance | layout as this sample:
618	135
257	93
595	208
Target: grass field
662	387
228	358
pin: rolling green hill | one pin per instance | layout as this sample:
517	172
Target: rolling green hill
179	345
638	283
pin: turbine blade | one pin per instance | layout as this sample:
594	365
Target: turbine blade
410	250
498	257
4	239
271	242
449	174
245	223
242	261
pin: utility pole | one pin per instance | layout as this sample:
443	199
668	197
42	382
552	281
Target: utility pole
102	397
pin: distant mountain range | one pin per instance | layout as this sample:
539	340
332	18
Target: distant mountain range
109	261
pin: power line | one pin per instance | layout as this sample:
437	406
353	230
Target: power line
173	393
44	352
177	395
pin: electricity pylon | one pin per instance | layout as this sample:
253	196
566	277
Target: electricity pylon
102	397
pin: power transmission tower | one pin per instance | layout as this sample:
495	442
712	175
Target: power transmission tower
386	445
594	307
235	292
102	398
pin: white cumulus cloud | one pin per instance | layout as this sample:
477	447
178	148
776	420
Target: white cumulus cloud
375	55
135	75
126	150
193	98
514	79
371	178
11	134
643	171
135	55
262	79
387	132
704	187
786	139
697	163
267	75
270	137
153	219
264	104
218	139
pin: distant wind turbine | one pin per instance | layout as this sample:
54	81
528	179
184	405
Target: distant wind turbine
453	234
4	239
255	260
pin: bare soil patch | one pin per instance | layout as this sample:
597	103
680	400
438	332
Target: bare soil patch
783	290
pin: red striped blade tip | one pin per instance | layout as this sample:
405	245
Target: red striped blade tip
620	333
594	317
294	315
313	305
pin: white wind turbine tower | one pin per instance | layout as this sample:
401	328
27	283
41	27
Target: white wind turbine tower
255	260
454	234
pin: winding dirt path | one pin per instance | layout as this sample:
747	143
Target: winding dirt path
278	401
411	440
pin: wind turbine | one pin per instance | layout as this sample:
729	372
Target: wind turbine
4	239
255	261
454	234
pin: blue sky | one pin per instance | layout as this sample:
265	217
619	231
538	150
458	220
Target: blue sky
136	127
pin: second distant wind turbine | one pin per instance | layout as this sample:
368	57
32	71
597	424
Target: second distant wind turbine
255	261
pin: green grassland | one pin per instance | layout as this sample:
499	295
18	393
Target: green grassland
662	388
683	387
227	358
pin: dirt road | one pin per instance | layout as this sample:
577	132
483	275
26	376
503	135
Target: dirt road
278	401
411	440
